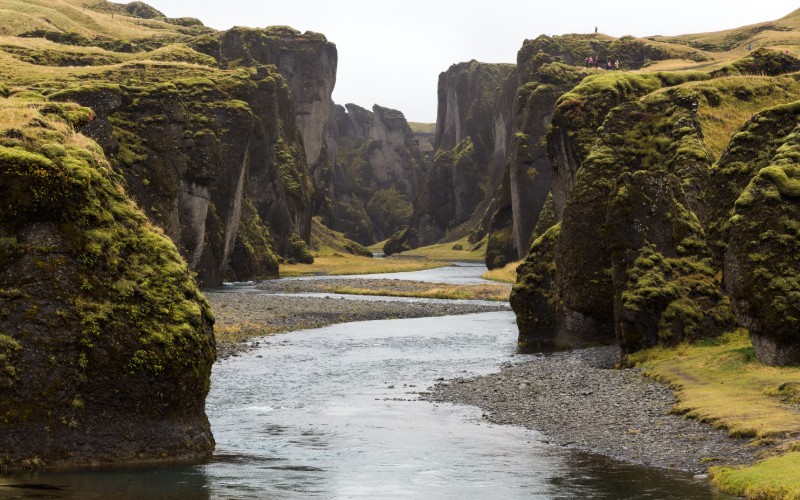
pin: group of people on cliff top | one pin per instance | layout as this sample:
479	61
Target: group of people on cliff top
595	62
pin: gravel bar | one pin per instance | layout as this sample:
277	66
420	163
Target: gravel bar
578	400
283	314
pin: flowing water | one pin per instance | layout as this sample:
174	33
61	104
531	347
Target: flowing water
335	413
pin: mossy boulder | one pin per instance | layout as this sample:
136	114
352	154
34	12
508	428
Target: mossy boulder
763	254
106	344
762	62
536	300
665	289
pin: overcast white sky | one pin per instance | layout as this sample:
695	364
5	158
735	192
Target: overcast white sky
391	53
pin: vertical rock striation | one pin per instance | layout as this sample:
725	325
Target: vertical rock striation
378	173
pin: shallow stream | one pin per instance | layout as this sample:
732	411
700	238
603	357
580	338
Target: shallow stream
335	413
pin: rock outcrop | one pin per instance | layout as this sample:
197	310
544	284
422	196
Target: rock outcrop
762	253
472	133
308	62
217	161
106	345
378	172
643	232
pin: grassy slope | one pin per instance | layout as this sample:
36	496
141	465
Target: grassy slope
19	16
720	382
724	47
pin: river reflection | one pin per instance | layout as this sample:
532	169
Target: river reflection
334	413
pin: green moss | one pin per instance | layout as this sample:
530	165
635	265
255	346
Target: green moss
298	250
775	477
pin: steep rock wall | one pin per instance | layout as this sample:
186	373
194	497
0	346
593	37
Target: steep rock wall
472	132
647	224
206	157
106	344
378	173
308	62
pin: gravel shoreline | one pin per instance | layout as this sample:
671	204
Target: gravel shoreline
275	313
577	400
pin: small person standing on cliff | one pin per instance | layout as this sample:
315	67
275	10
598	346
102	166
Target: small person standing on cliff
591	62
595	30
616	64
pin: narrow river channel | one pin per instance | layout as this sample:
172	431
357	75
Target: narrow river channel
336	412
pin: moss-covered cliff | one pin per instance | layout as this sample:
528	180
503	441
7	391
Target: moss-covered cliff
106	345
216	157
472	131
643	205
378	170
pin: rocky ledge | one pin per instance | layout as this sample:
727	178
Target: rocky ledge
576	399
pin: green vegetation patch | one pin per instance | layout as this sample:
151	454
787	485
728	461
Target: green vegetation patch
776	477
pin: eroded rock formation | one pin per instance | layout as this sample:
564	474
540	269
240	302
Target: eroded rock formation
472	133
378	172
106	344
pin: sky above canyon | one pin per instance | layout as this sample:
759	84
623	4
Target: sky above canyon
391	53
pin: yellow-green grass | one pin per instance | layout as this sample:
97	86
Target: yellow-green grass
776	477
235	332
720	382
377	247
422	128
436	291
450	251
725	118
18	16
337	265
505	274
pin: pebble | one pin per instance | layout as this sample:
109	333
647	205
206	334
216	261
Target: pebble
578	400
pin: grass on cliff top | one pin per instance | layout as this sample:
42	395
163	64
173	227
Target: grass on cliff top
422	128
453	251
719	381
505	274
19	16
736	100
338	265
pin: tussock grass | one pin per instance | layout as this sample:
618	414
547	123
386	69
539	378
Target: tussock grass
337	265
506	274
776	477
19	16
721	120
719	381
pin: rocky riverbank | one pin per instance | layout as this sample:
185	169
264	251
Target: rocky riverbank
578	400
243	316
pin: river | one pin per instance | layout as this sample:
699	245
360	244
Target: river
336	412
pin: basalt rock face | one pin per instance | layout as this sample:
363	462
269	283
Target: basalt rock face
652	226
217	162
308	63
106	344
762	258
472	133
554	124
378	172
